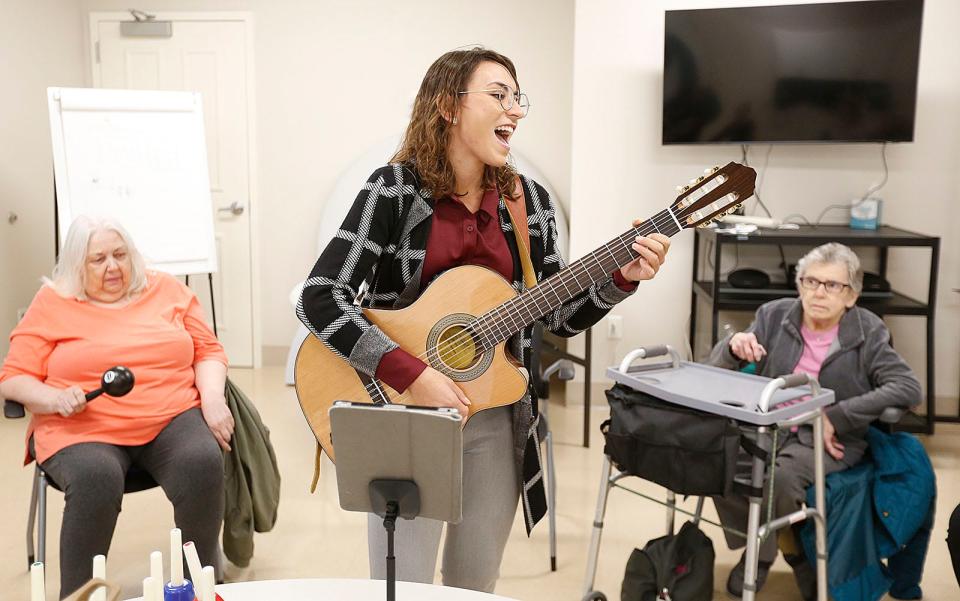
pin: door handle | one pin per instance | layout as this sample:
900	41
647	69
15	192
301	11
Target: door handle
235	207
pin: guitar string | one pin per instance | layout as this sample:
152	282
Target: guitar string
464	342
467	341
523	301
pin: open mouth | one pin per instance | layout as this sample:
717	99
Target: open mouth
504	133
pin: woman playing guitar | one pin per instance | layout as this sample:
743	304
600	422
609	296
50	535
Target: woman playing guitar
448	198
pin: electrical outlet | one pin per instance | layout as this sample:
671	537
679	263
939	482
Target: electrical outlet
614	327
20	313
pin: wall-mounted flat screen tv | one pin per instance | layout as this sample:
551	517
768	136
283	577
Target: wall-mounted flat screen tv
834	72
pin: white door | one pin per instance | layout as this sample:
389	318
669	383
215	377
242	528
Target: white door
212	55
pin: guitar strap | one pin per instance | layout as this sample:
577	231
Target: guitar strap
517	210
316	469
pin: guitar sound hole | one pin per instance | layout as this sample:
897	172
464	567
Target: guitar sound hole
457	348
454	349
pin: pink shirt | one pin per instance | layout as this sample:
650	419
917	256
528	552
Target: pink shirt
815	348
816	345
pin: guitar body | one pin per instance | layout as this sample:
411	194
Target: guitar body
490	378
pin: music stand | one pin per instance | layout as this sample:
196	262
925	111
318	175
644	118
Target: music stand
398	461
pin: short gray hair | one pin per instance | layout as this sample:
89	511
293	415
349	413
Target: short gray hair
834	253
69	272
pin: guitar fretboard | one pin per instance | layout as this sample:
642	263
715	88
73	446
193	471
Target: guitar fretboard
507	319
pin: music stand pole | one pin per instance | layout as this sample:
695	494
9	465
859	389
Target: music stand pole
392	499
390	525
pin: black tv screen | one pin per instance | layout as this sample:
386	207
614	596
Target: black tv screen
836	72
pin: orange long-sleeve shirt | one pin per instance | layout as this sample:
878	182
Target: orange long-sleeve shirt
159	336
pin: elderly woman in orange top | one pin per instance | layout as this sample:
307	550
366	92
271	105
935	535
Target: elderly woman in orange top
103	308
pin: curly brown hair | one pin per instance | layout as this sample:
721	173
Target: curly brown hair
424	145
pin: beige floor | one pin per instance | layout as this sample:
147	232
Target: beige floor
314	538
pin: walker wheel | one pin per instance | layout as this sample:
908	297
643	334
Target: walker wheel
594	596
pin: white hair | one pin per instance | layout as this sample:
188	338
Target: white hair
837	254
69	273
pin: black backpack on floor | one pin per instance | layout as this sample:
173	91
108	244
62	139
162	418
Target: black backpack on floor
676	567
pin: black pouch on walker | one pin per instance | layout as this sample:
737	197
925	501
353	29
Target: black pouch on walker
684	450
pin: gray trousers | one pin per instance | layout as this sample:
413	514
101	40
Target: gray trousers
184	459
792	476
472	549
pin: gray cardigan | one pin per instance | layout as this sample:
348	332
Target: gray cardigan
861	367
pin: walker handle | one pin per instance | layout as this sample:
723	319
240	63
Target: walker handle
796	380
787	381
645	352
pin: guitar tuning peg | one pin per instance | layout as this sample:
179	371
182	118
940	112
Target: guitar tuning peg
679	188
693	181
709	170
700	179
716	168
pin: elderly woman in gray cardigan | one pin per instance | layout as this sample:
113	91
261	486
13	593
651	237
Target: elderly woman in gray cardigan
848	349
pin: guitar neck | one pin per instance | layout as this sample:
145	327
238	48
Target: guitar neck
507	319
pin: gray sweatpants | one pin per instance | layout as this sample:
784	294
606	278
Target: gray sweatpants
184	459
472	549
792	476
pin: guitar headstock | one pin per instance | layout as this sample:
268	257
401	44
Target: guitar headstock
714	194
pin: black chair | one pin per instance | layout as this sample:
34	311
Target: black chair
137	479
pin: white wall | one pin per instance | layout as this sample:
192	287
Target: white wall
621	171
332	79
41	45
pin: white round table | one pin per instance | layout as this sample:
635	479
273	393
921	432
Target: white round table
342	589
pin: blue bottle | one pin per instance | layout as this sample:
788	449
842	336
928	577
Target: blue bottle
184	592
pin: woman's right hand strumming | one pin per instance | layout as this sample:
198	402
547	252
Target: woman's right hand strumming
744	346
433	389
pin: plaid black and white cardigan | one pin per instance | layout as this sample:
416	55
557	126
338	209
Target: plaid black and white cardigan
382	243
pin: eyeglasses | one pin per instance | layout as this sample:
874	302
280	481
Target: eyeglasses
830	286
507	98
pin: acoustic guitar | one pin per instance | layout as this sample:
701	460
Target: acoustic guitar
461	322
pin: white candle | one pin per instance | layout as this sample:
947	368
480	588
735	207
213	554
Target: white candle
193	564
176	558
149	590
99	571
38	591
156	572
209	580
